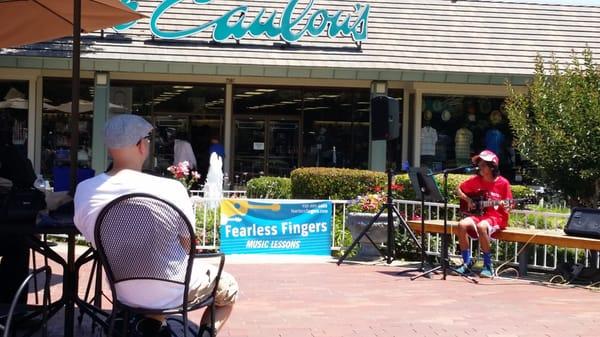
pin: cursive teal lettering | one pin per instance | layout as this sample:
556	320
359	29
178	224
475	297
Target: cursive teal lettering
223	29
267	27
318	22
235	24
160	11
287	23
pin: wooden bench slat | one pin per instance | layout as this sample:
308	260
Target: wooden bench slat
543	237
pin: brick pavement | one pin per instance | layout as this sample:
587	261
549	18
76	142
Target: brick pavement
323	299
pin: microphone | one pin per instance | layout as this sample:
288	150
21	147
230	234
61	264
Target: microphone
463	169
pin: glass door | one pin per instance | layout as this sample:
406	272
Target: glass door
265	147
282	157
249	158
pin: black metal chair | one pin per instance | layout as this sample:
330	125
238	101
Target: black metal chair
24	311
139	236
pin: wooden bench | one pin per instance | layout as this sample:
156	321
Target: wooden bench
522	235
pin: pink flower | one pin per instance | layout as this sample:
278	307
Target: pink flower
182	172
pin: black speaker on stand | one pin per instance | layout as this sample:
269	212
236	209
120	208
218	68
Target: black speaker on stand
385	118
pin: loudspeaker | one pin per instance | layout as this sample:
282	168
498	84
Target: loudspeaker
385	118
584	222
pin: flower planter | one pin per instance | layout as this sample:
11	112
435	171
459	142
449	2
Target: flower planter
357	222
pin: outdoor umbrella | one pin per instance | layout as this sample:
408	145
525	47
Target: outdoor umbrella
22	104
30	21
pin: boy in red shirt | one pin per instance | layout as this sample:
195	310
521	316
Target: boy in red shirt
495	218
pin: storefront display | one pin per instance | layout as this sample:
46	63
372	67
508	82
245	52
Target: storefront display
457	127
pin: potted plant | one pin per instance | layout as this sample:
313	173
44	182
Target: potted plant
362	213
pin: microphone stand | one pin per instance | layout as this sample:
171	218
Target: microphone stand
445	237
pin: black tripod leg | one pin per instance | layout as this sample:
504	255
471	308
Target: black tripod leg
363	233
427	273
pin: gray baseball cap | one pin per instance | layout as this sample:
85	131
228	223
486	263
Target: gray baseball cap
125	130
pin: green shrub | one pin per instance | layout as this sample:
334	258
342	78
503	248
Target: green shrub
333	183
520	192
269	188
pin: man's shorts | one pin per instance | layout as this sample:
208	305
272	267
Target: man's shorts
226	292
493	227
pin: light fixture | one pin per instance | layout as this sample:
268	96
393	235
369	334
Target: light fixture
101	78
379	87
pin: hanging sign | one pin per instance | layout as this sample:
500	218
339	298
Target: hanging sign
283	25
258	226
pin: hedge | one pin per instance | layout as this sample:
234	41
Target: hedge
347	184
333	183
269	188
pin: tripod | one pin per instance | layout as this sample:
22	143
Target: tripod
425	189
391	210
428	181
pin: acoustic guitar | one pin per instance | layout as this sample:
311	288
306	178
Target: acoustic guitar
483	202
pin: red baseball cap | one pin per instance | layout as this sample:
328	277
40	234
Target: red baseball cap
486	155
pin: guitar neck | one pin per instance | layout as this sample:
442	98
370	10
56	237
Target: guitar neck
489	203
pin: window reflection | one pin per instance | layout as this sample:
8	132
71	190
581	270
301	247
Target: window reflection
14	105
56	131
299	127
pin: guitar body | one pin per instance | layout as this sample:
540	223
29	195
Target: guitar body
483	202
477	197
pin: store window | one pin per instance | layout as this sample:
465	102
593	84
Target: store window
14	105
56	131
279	129
455	128
190	113
336	128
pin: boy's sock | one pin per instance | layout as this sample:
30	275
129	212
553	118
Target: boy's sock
466	255
487	259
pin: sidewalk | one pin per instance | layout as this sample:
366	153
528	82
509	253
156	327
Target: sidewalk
319	298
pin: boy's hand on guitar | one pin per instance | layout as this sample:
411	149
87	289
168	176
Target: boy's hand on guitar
471	204
507	204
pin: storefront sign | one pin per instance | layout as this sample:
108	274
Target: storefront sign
236	24
251	226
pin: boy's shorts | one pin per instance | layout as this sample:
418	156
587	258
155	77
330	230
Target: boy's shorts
494	226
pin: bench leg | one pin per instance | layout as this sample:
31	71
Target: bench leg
523	259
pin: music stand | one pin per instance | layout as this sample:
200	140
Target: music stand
425	188
432	189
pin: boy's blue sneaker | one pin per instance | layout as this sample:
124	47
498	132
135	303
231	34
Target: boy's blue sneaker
465	269
487	272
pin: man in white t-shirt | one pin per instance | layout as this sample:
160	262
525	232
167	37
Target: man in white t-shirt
128	140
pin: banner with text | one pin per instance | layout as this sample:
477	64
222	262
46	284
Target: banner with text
251	226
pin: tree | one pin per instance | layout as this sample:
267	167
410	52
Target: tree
557	126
